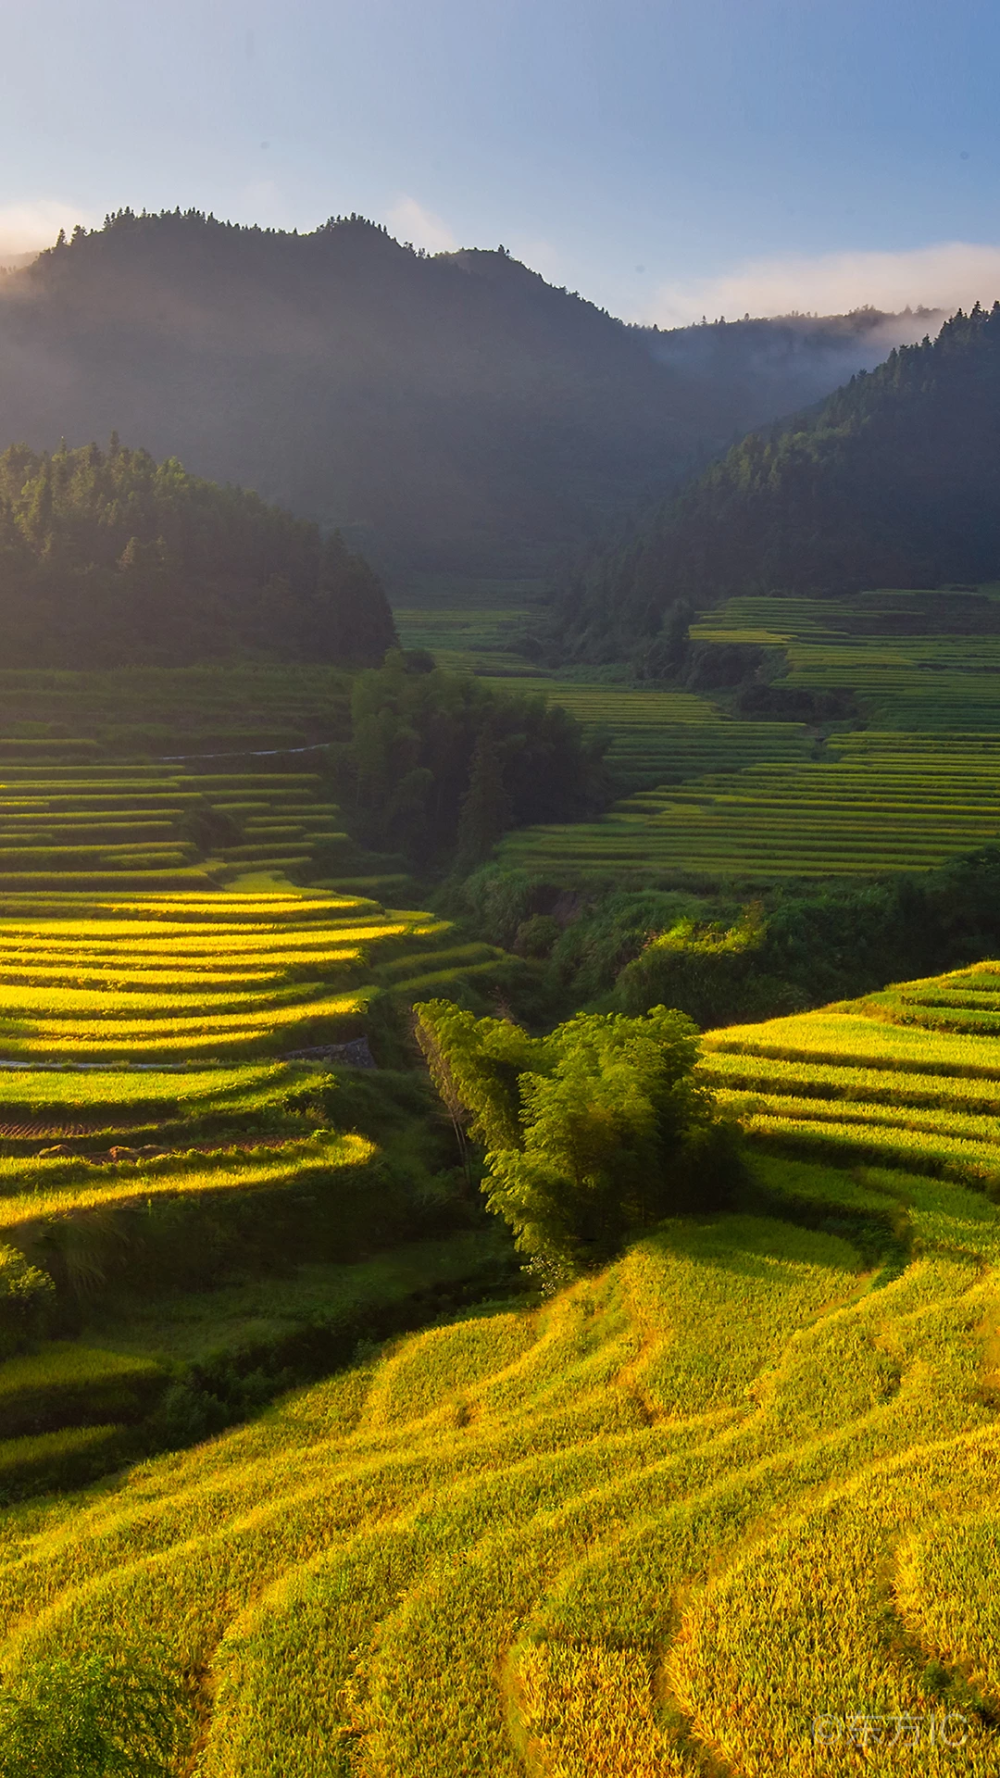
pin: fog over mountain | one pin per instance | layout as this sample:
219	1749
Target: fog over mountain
890	482
452	410
768	367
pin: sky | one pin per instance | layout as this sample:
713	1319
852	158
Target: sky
665	158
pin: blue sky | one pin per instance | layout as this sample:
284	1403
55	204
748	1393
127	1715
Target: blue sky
665	157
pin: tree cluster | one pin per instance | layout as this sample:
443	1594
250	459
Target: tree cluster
592	1134
441	765
890	482
722	963
108	558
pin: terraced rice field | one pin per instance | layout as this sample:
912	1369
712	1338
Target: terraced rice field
133	711
877	802
155	1110
185	976
729	1506
911	1075
754	802
913	666
467	621
658	736
98	826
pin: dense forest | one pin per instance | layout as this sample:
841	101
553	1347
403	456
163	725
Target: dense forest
891	482
108	558
452	410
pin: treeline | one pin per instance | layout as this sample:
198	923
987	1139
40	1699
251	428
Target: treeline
440	765
891	482
110	559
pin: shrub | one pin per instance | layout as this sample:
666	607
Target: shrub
711	972
102	1716
27	1300
536	937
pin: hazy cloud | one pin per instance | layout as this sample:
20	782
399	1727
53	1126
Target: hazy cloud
950	275
409	221
28	227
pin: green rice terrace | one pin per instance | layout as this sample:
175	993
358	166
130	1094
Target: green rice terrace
728	1506
905	784
188	1101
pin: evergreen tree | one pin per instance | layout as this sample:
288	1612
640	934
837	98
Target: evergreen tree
109	558
487	811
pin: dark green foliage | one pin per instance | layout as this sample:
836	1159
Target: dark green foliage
711	971
439	760
721	963
100	1715
487	811
891	482
593	1134
108	559
496	901
27	1298
607	934
536	937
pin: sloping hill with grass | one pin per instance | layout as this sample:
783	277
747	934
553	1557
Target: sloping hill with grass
728	1506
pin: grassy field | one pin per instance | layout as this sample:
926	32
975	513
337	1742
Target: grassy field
728	1506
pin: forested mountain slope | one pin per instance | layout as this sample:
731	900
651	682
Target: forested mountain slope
892	482
439	405
763	367
451	411
108	559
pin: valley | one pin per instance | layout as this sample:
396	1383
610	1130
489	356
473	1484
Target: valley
499	1025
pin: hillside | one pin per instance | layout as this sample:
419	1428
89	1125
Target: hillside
768	366
552	1539
439	407
453	411
109	559
890	482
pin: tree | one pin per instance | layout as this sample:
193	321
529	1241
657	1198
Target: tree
487	811
592	1134
439	761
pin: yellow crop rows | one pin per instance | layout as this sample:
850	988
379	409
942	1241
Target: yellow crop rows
728	1506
